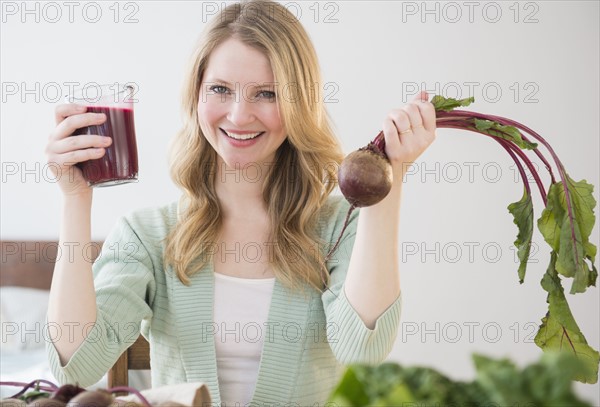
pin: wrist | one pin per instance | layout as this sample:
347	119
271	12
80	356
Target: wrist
399	172
81	198
388	208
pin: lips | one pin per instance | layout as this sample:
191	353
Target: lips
242	136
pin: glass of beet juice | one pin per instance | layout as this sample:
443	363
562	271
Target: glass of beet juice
119	164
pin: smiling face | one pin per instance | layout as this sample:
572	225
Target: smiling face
237	107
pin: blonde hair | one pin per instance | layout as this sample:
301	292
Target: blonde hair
305	168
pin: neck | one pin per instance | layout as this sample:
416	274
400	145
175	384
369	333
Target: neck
240	191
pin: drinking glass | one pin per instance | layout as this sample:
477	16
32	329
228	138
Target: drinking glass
119	164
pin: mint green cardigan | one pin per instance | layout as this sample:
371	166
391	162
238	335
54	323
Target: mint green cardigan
308	338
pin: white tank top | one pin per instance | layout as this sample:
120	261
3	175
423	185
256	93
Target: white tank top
241	310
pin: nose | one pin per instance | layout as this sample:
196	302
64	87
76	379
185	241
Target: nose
241	112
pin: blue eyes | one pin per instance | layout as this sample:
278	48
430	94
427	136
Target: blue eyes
218	89
223	90
267	94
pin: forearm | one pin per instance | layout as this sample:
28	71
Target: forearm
373	280
72	303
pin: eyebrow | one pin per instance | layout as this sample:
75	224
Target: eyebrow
218	80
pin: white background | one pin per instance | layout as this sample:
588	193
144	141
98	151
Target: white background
535	62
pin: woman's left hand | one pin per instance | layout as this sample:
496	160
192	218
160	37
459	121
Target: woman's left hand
408	131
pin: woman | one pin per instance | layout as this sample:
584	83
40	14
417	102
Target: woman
229	284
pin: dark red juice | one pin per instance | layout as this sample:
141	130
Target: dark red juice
120	162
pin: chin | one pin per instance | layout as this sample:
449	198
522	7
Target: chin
240	163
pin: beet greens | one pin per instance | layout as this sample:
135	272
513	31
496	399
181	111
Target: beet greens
566	221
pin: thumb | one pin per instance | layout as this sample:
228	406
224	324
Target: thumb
422	96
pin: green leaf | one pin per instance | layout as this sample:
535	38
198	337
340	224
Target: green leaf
428	386
349	391
448	104
574	252
559	331
522	212
509	133
379	380
501	381
552	215
571	258
399	395
547	382
569	235
33	395
550	381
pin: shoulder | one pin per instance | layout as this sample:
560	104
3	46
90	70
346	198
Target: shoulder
150	222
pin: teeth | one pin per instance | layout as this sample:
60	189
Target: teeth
243	136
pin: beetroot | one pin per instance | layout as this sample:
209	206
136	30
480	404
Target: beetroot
566	221
75	395
365	176
66	392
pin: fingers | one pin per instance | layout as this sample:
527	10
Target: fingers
78	143
400	120
64	150
414	115
422	96
420	113
76	149
390	133
409	130
426	111
63	111
71	123
70	158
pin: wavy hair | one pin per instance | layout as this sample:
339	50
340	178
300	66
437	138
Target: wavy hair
305	168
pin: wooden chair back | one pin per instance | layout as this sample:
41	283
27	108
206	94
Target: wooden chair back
136	357
30	264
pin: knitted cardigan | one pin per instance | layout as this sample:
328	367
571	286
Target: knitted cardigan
308	338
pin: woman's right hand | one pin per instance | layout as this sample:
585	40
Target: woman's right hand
64	151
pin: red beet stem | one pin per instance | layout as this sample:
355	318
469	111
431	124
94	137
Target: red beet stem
337	243
51	386
463	122
511	149
452	119
561	172
442	116
379	144
509	145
